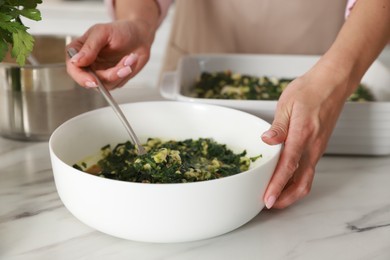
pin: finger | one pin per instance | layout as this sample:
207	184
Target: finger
87	50
131	60
79	75
89	46
277	133
120	74
285	169
135	61
299	186
117	76
143	58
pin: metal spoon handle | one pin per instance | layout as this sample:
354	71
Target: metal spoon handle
114	105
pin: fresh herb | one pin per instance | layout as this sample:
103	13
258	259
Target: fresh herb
228	85
13	33
169	162
362	93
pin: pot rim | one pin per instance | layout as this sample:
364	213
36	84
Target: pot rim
5	64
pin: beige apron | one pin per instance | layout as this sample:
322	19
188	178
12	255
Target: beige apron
253	26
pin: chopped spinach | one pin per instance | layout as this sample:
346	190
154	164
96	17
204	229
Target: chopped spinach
228	85
169	162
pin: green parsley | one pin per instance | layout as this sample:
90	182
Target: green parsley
13	33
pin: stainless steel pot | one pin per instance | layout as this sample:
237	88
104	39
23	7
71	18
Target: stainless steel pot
36	99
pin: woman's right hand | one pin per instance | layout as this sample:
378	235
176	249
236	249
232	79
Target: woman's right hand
116	51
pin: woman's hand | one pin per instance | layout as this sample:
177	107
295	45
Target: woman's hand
116	51
306	114
308	109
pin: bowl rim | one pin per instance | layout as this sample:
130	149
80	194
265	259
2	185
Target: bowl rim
277	153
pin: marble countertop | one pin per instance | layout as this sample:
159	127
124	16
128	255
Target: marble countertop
346	216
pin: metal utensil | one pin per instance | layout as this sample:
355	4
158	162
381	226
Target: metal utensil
114	105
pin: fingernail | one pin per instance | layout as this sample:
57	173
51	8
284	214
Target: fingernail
77	57
124	72
269	134
90	84
270	201
131	59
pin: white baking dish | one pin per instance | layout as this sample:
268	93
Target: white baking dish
362	129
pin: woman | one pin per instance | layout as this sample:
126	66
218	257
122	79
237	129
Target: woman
307	110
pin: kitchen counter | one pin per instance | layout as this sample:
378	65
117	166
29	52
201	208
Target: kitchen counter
346	215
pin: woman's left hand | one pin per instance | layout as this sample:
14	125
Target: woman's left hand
309	107
306	114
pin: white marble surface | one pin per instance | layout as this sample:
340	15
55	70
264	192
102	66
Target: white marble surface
346	216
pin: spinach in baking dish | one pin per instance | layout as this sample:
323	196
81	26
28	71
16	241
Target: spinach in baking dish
169	162
228	85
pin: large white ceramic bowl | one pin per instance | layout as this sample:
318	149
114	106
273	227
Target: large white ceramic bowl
162	212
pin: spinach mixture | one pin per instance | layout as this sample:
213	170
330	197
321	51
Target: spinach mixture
228	85
169	162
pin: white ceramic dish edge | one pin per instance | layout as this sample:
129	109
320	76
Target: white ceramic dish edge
362	129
